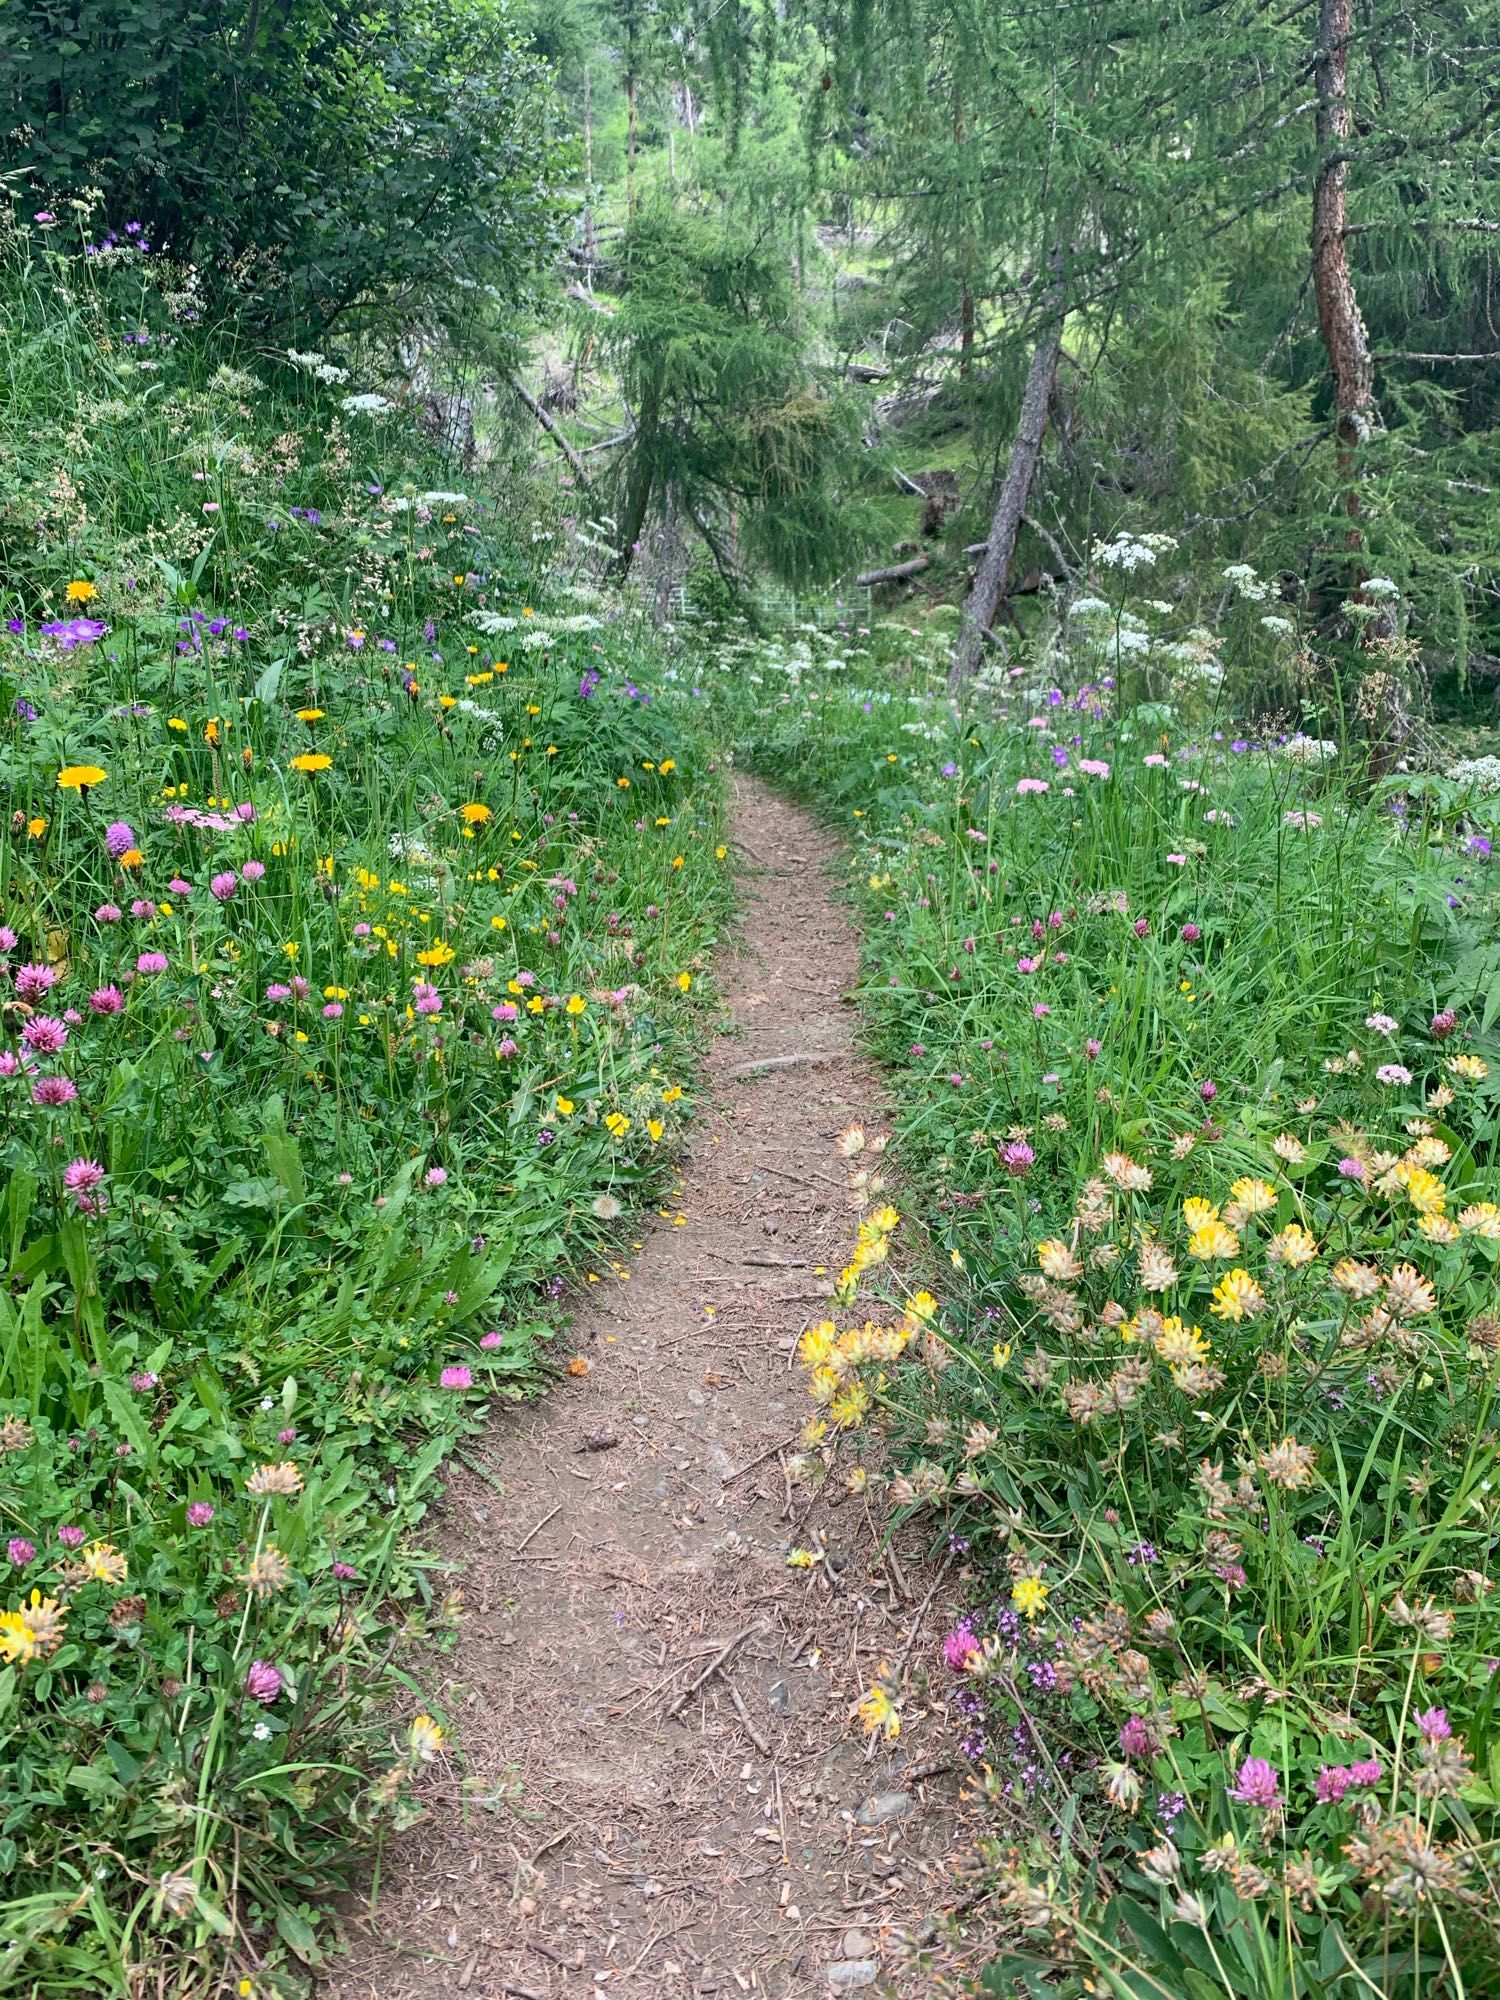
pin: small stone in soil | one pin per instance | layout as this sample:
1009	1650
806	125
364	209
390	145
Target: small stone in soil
858	1944
848	1975
884	1806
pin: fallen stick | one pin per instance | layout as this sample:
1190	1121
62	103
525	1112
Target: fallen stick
744	1715
759	1459
536	1530
785	1062
917	1621
729	1646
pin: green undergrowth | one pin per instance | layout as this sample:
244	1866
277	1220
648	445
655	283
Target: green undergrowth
358	876
1192	1032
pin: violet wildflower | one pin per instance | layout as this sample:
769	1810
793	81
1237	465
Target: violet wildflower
199	1514
20	1551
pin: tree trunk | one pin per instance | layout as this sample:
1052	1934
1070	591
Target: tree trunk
588	181
985	598
1339	317
632	123
545	419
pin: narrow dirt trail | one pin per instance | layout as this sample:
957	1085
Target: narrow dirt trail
633	1820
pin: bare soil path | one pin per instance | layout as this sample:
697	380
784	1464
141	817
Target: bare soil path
663	1793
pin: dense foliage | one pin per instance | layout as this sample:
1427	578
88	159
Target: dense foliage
355	875
391	165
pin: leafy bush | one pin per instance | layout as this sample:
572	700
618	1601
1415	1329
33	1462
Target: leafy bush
355	875
340	164
1194	1040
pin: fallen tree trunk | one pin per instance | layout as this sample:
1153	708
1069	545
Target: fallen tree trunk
985	598
545	418
897	573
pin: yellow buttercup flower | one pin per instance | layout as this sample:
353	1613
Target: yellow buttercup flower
576	1003
684	981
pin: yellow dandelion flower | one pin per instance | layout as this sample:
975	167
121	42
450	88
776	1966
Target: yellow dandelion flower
79	777
310	762
475	814
80	591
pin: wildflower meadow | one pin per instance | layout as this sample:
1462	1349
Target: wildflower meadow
356	876
1185	1319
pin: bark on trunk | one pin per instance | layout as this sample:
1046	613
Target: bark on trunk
588	179
897	573
985	598
1339	316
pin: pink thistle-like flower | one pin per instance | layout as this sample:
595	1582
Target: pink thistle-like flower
300	988
277	991
334	1011
345	1572
1434	1725
1093	1049
1365	1772
1443	1024
1190	934
143	907
199	1514
458	1376
8	938
142	1380
287	1436
52	1092
1017	1158
71	1537
107	913
20	1551
1352	1169
1257	1784
33	981
151	961
1208	1090
44	1034
222	887
435	1177
106	1000
253	871
180	887
492	1340
506	1011
1141	927
506	1047
960	1648
263	1682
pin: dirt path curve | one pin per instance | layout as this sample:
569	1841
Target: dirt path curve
633	1823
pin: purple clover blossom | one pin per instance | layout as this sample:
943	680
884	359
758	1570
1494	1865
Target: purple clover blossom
1257	1784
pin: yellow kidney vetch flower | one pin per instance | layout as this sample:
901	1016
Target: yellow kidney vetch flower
817	1344
878	1711
1252	1196
1213	1243
1237	1296
1198	1213
1029	1596
1180	1345
1424	1190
